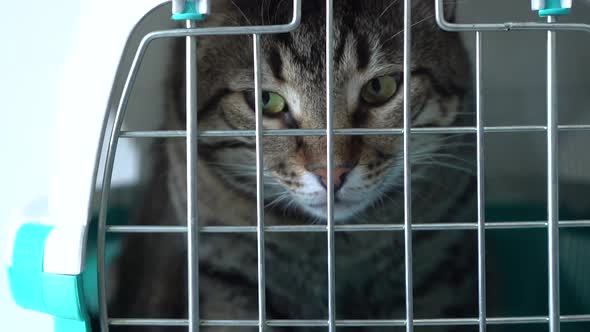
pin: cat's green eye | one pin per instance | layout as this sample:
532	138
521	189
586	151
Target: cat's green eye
379	90
272	103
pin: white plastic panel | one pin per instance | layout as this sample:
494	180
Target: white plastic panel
85	88
64	250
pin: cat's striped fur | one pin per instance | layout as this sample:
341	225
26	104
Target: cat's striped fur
151	273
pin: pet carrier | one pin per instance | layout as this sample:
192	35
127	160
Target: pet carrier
57	265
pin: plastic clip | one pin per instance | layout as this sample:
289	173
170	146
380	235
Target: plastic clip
32	287
195	10
552	7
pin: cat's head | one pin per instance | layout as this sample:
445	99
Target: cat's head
368	76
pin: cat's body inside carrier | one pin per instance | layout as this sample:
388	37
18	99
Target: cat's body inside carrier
149	279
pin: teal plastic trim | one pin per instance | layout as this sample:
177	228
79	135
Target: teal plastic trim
67	325
31	288
190	13
553	8
25	274
63	296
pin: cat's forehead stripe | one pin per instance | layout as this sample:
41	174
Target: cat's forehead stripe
363	52
276	63
349	44
286	43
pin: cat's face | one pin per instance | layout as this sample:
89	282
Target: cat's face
368	76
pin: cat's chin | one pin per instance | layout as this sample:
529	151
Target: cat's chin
343	211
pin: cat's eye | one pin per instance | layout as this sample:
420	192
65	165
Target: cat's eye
272	103
379	90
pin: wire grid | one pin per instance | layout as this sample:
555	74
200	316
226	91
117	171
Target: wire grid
192	229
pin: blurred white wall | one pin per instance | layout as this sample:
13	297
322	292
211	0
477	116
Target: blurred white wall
35	37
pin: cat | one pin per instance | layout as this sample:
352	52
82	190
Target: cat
149	280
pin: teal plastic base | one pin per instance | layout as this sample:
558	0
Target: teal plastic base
71	299
55	294
25	275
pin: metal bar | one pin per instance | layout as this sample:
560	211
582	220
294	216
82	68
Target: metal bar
106	127
106	189
481	235
415	227
507	26
191	181
409	291
230	31
259	187
146	229
349	228
352	323
346	132
101	233
101	237
111	150
330	164
552	180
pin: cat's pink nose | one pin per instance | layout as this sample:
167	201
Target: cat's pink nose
338	173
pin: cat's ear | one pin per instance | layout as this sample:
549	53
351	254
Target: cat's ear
253	12
230	12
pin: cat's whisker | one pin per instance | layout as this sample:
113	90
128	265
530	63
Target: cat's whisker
387	8
241	12
281	197
433	156
290	205
443	157
429	149
396	202
448	165
442	137
412	26
316	220
420	150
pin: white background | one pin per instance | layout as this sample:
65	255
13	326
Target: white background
35	37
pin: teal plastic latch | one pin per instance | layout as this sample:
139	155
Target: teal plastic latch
190	12
552	7
58	295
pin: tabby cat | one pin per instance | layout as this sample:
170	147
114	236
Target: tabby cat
149	280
